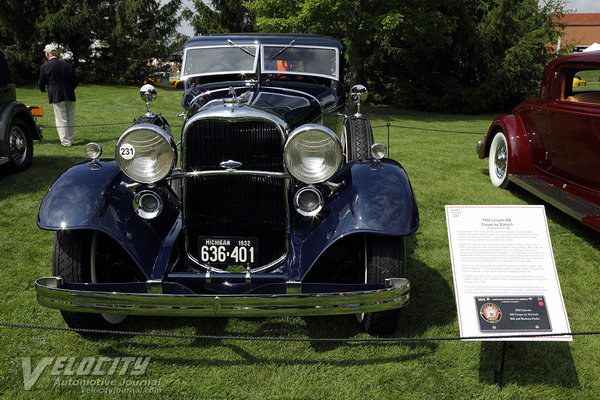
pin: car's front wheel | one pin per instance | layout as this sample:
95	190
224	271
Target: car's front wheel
385	257
498	161
81	256
20	145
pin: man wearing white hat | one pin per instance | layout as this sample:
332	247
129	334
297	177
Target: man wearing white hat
61	80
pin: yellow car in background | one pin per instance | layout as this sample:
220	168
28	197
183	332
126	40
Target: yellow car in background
578	81
166	79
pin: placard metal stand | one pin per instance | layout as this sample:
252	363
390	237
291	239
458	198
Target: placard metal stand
499	374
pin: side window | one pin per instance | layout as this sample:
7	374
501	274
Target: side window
581	85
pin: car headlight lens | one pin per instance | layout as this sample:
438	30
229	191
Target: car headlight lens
312	153
146	153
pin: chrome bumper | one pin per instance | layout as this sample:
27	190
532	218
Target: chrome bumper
50	293
479	145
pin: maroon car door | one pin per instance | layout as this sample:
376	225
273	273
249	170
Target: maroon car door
575	142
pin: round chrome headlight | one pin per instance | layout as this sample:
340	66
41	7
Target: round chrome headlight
312	153
93	150
147	204
378	151
308	201
146	153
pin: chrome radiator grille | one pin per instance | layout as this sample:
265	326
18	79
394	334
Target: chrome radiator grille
235	205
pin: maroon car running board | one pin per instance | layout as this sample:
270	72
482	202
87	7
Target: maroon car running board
566	202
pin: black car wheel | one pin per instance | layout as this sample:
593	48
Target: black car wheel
357	139
498	163
20	145
81	256
385	257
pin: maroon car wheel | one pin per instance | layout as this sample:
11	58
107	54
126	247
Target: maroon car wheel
498	164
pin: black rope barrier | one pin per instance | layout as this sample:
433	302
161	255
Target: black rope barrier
83	126
388	125
93	125
283	339
426	129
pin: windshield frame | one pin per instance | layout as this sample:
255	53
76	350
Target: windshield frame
265	70
248	46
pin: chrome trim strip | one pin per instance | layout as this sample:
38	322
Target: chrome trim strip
262	268
51	294
178	175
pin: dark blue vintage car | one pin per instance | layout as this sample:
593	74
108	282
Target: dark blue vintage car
275	202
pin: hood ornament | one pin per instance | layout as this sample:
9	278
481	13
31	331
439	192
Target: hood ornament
230	164
234	101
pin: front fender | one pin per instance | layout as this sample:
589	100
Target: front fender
94	196
15	110
519	152
375	198
79	197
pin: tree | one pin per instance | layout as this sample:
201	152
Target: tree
136	32
354	22
107	40
442	55
466	56
17	21
224	16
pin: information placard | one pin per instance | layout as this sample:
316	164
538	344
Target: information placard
505	278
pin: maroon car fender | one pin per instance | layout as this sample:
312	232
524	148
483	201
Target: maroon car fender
519	153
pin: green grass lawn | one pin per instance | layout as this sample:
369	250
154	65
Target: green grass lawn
443	169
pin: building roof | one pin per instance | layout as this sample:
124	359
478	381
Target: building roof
575	19
581	29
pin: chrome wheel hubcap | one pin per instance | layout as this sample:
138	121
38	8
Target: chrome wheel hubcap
18	145
500	158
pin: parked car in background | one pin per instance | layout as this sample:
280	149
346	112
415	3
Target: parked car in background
18	130
579	81
166	79
275	202
550	145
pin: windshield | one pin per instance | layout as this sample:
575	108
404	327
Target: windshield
300	60
220	60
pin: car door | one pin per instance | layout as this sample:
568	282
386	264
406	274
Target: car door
575	129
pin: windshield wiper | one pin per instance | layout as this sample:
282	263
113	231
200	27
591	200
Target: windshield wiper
240	47
289	46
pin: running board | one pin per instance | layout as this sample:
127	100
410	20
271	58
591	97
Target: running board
566	202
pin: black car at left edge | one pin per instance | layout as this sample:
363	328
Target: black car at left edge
18	130
276	201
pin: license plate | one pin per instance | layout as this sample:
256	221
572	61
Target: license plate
228	250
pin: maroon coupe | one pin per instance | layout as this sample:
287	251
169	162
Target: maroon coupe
550	145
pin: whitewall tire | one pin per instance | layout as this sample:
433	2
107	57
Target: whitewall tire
498	161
